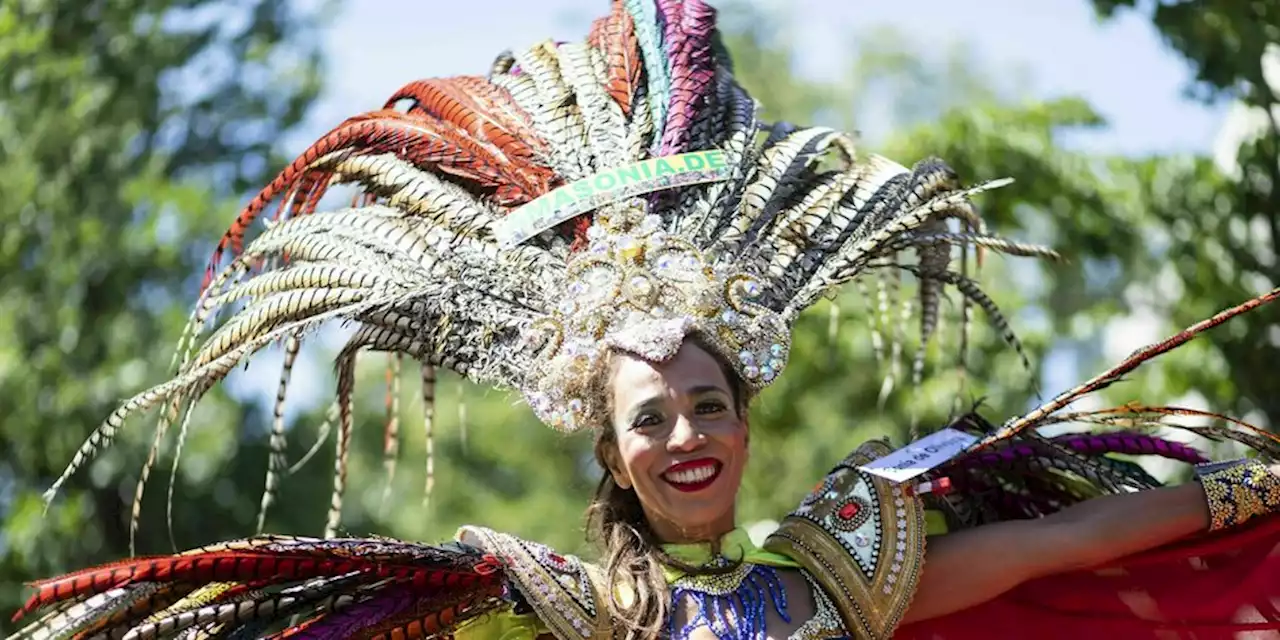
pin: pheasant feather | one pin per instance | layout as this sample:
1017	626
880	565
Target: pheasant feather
616	41
687	43
649	34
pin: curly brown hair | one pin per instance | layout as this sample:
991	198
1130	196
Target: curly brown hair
632	553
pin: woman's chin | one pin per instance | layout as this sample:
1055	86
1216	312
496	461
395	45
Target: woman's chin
700	515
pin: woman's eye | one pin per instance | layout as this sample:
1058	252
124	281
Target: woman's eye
646	420
711	406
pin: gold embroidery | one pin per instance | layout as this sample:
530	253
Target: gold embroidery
564	592
862	537
1239	492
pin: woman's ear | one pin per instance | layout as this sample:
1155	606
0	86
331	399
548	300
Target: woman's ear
615	468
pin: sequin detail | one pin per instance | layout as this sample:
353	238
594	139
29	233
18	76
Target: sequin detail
561	589
825	623
641	290
862	538
1238	491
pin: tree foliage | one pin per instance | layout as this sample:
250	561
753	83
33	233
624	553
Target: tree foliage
1213	230
128	129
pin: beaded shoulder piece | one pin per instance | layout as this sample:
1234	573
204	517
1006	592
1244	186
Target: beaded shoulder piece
567	594
862	539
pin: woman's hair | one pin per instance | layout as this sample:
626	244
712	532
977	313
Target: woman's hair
616	522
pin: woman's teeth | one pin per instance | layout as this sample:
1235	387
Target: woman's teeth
690	476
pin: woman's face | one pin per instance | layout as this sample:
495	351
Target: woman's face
681	445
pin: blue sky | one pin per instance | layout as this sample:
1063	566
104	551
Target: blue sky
1120	66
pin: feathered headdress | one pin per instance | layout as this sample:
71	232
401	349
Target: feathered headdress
617	193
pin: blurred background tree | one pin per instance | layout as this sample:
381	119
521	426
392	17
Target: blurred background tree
1212	224
116	188
128	131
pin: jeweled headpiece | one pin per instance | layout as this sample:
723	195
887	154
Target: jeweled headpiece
641	290
612	194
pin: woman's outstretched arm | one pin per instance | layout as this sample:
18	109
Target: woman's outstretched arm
969	567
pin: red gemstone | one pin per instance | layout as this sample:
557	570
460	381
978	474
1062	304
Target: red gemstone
849	511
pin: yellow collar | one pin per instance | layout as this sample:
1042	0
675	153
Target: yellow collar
735	545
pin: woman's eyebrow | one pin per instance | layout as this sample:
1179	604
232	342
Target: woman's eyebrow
705	388
647	403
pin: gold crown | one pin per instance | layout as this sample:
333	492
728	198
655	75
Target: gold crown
641	290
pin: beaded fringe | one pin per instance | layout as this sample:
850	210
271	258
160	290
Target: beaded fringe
732	606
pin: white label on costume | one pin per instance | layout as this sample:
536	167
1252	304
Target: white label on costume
920	456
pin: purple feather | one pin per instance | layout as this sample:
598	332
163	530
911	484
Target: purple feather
346	622
687	25
669	23
1002	457
1091	444
1130	443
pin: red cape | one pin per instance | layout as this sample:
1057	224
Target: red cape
1223	586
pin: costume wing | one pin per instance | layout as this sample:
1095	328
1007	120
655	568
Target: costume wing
276	586
1016	470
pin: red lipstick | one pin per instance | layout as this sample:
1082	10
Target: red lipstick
693	475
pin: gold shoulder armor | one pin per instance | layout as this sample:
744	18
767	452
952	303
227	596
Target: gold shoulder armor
567	594
862	538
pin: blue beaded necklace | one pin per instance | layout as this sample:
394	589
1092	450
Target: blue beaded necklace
731	605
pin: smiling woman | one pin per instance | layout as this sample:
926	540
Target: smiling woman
674	452
678	439
652	319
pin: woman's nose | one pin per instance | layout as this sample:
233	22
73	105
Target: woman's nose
685	436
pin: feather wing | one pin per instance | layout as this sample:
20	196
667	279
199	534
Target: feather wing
348	587
1045	413
1026	474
